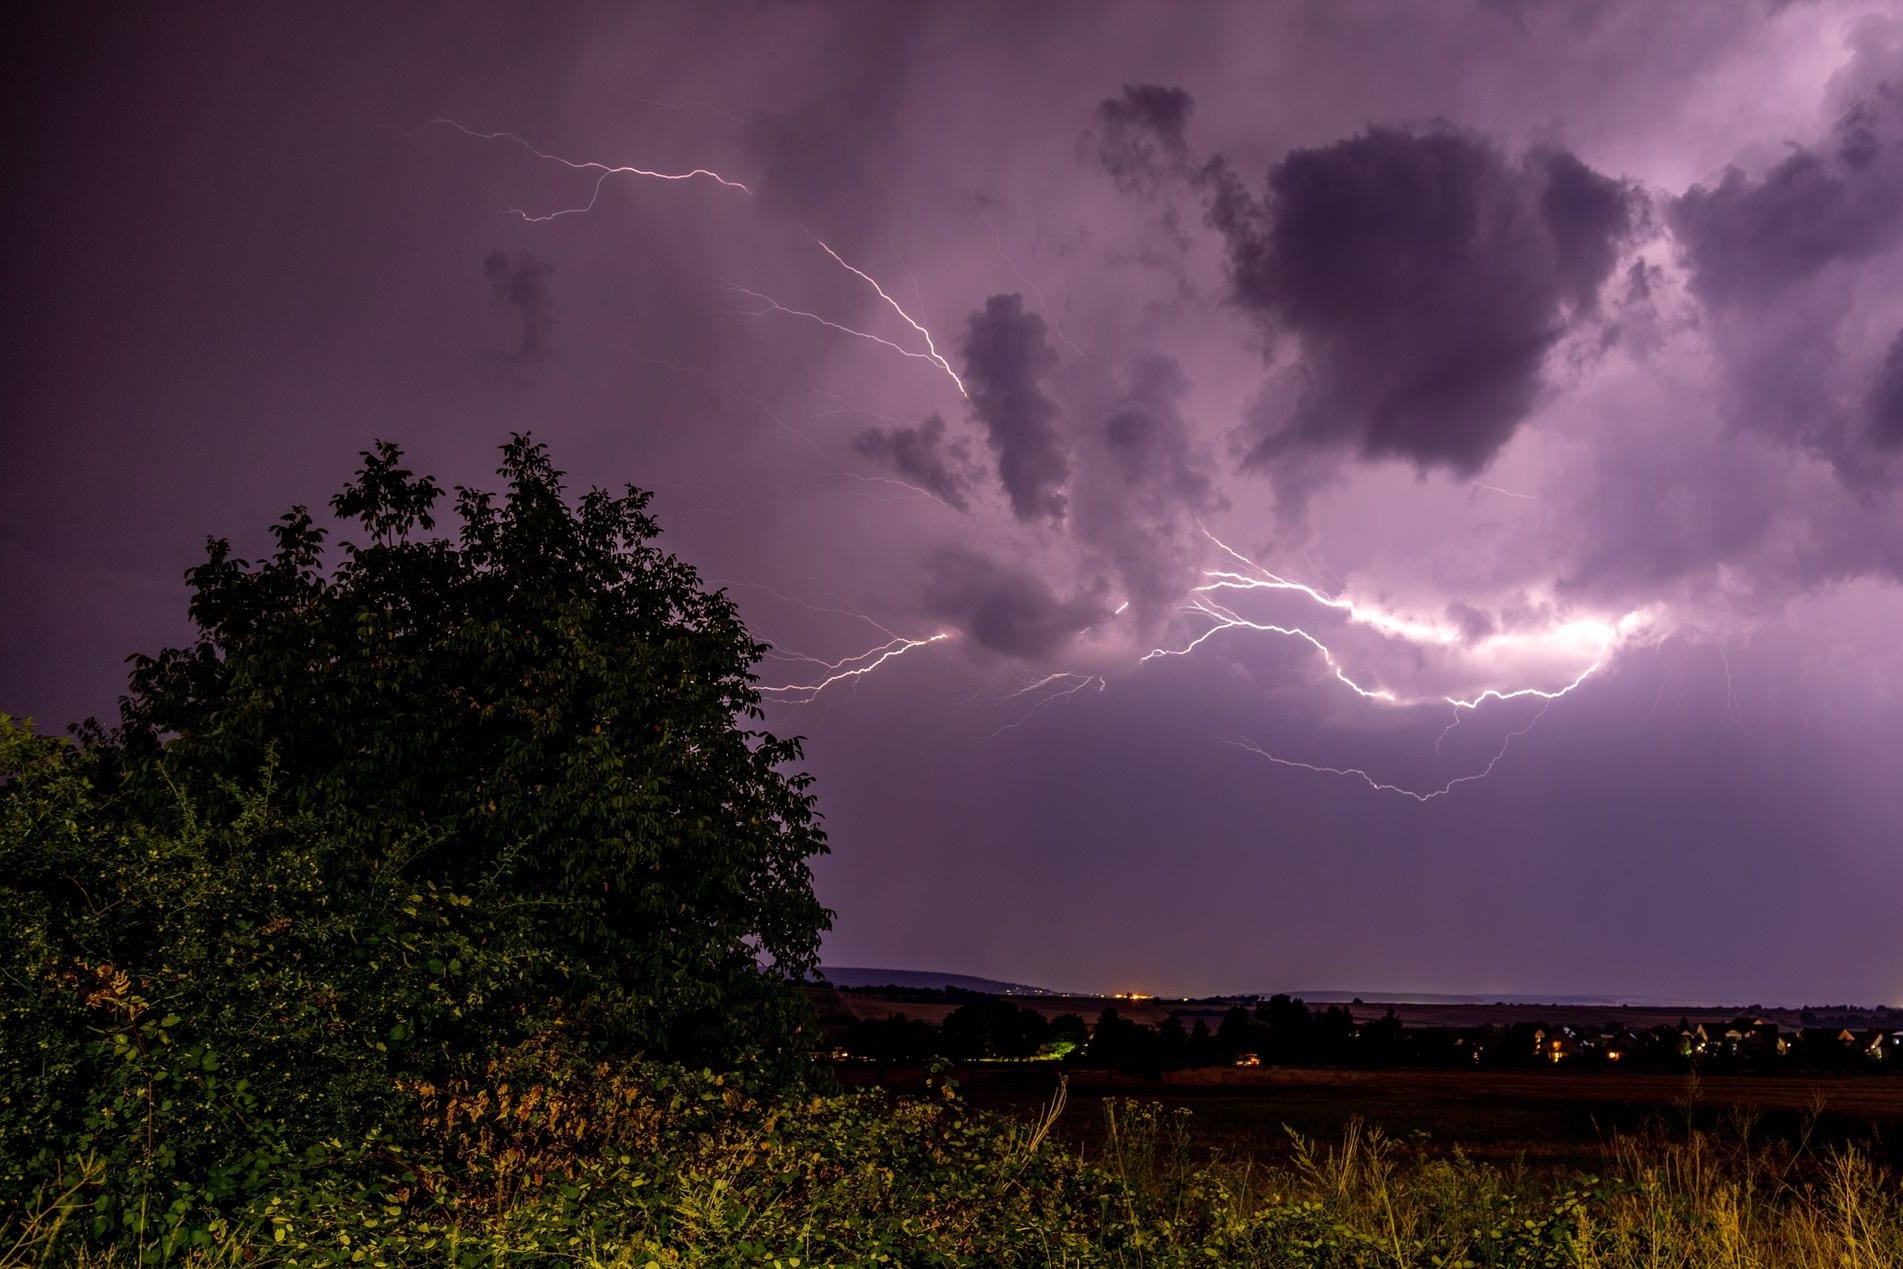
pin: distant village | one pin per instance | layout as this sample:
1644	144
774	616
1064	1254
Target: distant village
909	1025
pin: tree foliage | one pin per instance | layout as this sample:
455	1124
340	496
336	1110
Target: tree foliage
390	815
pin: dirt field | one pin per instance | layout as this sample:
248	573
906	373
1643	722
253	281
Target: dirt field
1539	1116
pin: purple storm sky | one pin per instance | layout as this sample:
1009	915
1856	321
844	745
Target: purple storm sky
1489	347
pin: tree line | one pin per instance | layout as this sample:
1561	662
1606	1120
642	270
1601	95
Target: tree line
1286	1031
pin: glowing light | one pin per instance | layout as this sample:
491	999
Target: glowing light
1593	639
603	170
848	668
774	306
1381	786
931	348
1387	623
1072	683
1598	638
1505	493
1227	620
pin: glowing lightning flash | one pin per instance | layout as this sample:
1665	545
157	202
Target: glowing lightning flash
1073	683
1226	620
605	171
1417	632
848	668
931	348
1380	786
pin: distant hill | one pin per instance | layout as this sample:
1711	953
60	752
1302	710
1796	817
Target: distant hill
861	976
1488	998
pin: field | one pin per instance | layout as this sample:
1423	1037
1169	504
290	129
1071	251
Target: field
1554	1117
1546	1117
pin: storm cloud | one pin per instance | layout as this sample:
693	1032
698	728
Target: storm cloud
1141	519
923	456
1141	138
1425	276
1565	334
1749	237
1005	609
1885	405
519	282
1007	354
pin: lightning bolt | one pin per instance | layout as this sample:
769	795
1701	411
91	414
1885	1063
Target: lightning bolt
847	669
1225	619
772	305
1386	623
931	348
1057	327
1505	493
1417	632
1381	786
1251	577
1073	683
604	172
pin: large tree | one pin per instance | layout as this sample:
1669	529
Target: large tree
548	711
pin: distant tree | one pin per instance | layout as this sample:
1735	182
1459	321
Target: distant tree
1117	1043
1382	1042
1236	1034
1069	1034
993	1027
893	1039
1201	1050
1286	1024
1172	1042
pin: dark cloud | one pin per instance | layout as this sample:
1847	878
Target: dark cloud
1842	201
521	282
1426	276
1141	135
1149	439
1140	520
1790	255
1589	217
923	456
1885	405
836	139
1005	609
1006	355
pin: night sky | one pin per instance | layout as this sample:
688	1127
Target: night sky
1409	353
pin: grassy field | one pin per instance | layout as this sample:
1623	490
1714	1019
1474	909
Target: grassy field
1553	1117
653	1167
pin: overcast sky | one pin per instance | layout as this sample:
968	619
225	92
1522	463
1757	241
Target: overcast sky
1385	497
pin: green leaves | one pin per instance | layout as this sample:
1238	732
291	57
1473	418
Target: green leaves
387	817
555	702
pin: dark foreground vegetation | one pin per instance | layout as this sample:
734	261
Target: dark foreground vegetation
442	905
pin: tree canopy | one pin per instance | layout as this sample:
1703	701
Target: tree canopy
392	814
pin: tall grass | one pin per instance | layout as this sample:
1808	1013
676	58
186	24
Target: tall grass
722	1178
